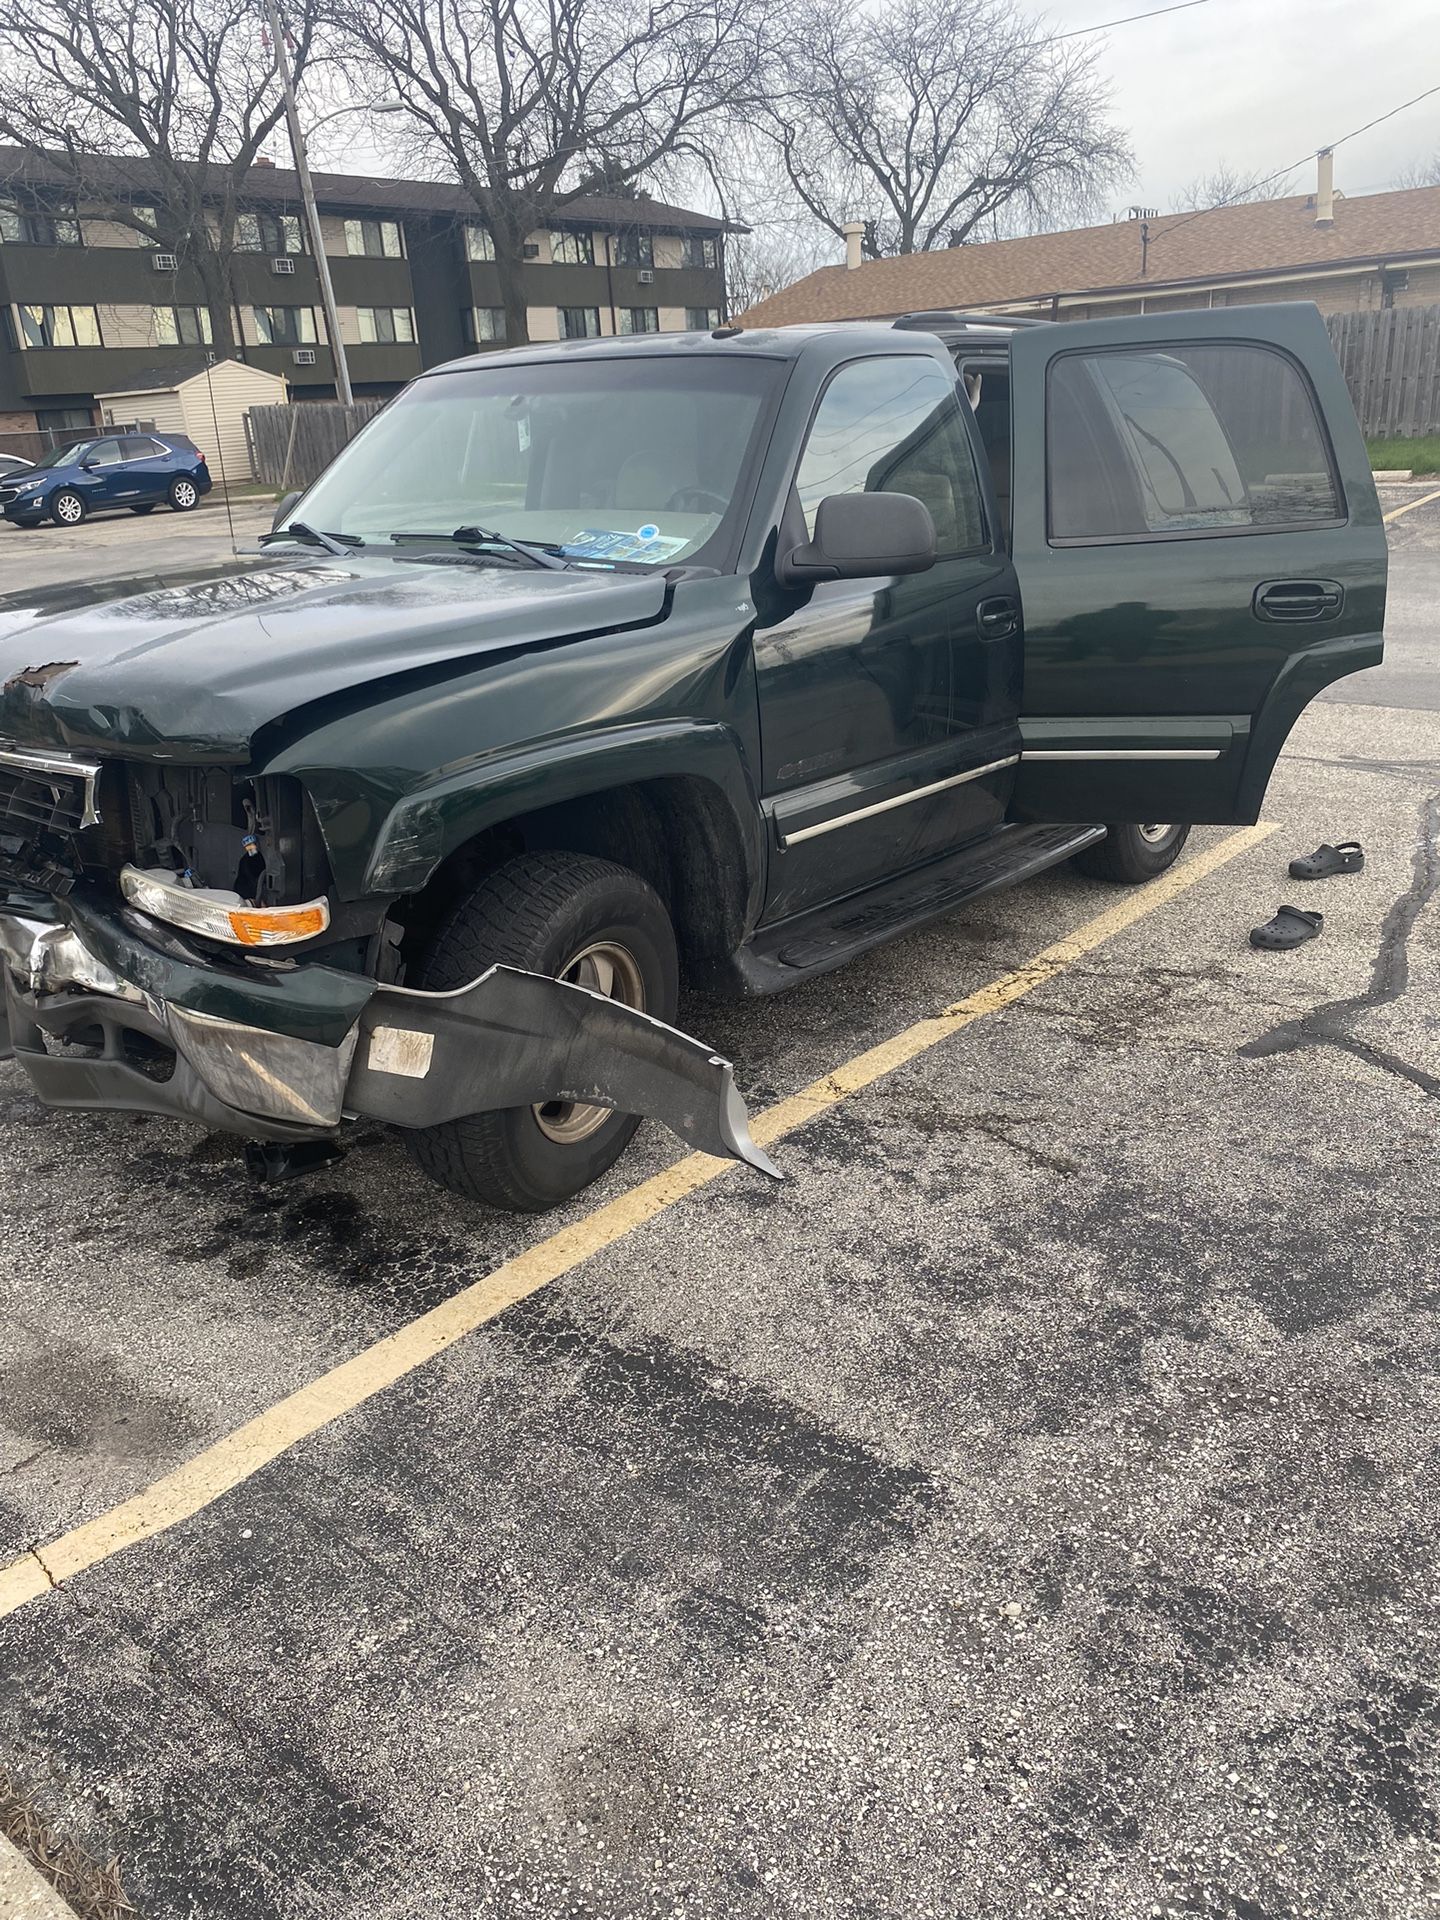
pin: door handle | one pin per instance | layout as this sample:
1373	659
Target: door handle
1298	599
997	619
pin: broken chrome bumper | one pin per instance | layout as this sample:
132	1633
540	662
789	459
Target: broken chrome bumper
106	1013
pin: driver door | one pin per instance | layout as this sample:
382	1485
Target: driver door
1199	549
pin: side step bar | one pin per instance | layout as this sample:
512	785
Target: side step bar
816	942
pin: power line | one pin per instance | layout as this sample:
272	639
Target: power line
1280	172
1180	7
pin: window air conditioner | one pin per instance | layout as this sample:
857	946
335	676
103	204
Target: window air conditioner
164	262
646	277
304	356
284	264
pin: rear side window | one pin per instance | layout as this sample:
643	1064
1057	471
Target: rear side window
1168	441
895	426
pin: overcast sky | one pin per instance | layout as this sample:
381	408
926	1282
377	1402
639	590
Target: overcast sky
1259	82
1249	83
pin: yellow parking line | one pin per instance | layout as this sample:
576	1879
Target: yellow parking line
234	1459
1411	505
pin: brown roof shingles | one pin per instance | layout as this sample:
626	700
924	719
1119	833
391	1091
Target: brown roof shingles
1227	243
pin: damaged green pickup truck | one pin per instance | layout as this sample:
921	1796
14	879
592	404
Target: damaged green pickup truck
587	669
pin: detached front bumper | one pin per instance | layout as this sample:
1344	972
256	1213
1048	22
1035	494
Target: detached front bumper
106	1012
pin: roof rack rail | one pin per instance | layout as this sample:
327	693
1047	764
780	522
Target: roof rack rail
927	321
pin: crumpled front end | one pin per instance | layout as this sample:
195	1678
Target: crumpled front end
104	1012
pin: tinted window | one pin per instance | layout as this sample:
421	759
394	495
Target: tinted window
104	453
895	426
133	447
1176	440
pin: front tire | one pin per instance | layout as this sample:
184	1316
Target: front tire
67	509
568	916
1131	855
184	494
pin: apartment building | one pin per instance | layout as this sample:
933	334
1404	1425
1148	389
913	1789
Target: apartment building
88	306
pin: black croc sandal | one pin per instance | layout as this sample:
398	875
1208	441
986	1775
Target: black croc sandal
1291	927
1348	857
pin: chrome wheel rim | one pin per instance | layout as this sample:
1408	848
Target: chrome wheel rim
68	510
612	970
1154	835
184	494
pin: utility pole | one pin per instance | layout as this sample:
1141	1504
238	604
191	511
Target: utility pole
307	195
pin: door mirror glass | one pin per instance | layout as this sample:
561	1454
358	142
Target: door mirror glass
859	536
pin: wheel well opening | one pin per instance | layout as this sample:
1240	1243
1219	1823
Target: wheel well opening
677	832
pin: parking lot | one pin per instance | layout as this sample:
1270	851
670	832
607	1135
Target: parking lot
1027	1508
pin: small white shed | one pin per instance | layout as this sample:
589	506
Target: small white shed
209	404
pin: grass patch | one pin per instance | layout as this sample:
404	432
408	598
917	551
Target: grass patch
1421	455
92	1889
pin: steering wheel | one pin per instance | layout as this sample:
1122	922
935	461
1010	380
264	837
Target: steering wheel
695	500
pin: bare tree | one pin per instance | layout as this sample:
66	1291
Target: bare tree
533	104
1227	186
774	255
186	86
1421	173
926	118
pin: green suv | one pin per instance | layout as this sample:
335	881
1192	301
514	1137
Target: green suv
589	669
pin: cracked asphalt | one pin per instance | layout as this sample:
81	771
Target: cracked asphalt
1029	1508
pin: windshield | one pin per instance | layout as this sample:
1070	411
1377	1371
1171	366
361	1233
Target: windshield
62	456
625	461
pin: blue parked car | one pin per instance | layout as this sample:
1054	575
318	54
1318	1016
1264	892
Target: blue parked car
134	470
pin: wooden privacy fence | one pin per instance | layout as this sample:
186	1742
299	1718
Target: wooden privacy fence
290	445
1391	363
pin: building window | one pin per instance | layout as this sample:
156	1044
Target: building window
701	319
64	419
376	239
148	214
484	326
270	233
183	327
385	323
285	326
579	323
39	226
479	243
1393	280
635	249
701	250
59	327
639	319
572	249
1196	439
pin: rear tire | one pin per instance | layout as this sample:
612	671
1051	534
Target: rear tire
148	507
545	912
68	509
184	494
1131	855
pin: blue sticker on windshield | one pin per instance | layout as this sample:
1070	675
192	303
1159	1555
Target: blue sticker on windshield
606	543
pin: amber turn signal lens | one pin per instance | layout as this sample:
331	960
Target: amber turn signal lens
277	926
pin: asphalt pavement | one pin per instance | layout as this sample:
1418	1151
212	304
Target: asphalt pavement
1028	1508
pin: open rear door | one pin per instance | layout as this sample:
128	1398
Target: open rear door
1199	548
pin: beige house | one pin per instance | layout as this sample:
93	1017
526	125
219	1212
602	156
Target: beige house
1348	255
209	405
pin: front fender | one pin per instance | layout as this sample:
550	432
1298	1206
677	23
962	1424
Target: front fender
435	820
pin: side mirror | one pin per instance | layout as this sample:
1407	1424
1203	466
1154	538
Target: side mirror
282	512
858	535
88	466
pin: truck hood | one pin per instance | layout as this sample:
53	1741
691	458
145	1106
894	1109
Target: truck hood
191	667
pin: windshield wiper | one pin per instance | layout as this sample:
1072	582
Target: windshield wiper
340	543
483	537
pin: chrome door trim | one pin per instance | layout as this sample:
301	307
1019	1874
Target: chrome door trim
896	800
1122	753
